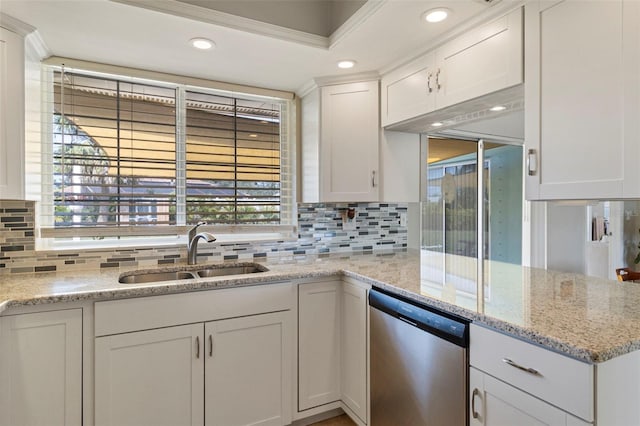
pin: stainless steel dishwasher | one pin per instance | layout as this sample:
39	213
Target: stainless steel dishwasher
419	364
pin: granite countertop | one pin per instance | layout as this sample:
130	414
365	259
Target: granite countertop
590	319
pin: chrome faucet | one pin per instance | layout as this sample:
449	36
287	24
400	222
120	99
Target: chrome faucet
192	242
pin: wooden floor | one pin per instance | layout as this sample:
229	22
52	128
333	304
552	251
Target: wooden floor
342	420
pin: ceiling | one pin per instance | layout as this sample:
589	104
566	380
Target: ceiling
154	35
319	17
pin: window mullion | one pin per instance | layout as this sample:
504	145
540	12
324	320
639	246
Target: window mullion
181	157
235	161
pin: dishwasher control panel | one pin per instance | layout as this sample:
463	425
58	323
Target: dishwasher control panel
421	316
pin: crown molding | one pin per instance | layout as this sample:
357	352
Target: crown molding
347	78
306	88
36	46
228	20
17	26
355	20
329	80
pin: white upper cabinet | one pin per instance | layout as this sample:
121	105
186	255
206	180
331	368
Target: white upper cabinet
482	61
11	115
340	143
582	99
409	91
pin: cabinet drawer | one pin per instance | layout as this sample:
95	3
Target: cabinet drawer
560	380
143	313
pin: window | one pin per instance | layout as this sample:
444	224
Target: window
126	152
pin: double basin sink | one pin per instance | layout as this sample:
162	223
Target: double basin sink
210	271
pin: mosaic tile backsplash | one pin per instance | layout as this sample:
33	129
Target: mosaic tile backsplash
320	231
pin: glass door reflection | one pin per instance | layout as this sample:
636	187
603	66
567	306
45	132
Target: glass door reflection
451	244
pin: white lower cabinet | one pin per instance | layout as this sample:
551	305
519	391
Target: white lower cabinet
248	371
221	373
319	343
153	377
495	403
512	382
353	345
41	368
233	370
333	346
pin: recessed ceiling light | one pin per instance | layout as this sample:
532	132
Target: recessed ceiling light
437	124
436	15
346	64
498	108
202	43
253	135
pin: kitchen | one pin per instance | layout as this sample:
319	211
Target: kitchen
328	229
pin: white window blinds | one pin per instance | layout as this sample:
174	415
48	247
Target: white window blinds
135	153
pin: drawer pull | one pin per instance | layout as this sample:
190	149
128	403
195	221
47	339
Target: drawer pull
520	367
197	347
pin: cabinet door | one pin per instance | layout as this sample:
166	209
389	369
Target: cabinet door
574	99
248	371
349	142
495	403
409	92
354	349
318	343
11	115
41	368
484	60
153	377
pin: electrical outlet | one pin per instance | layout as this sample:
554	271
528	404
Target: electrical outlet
349	224
403	219
348	219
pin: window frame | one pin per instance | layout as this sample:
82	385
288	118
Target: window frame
49	237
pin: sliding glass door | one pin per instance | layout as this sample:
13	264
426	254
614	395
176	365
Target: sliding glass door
471	216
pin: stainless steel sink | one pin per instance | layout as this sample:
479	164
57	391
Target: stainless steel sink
204	272
149	277
231	270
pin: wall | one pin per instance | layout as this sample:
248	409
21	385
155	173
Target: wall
319	233
566	237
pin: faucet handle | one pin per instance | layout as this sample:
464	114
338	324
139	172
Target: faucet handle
192	231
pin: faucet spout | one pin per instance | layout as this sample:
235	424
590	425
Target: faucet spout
192	242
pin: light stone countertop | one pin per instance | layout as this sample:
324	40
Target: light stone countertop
590	319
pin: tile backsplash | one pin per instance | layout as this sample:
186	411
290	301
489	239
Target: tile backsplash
320	231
